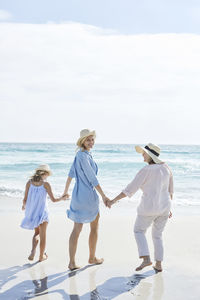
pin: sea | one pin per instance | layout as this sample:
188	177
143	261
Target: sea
117	164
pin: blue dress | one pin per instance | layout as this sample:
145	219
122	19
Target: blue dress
36	211
84	205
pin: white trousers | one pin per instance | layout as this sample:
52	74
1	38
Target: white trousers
140	227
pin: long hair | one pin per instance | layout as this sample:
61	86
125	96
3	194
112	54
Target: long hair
81	145
37	176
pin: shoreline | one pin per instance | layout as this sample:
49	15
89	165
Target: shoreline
124	207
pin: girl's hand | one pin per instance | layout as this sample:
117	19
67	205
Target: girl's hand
170	214
23	207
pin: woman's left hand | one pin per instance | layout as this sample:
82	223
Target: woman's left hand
170	214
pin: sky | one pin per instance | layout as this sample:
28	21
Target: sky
128	69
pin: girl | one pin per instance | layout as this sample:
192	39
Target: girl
156	182
84	206
36	208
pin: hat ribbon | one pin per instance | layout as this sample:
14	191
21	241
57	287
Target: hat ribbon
151	150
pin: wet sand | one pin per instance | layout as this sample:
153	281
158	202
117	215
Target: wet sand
116	278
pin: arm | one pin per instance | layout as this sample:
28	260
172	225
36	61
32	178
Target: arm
25	195
132	187
71	175
91	176
171	192
104	198
50	193
171	188
171	183
88	170
68	182
120	196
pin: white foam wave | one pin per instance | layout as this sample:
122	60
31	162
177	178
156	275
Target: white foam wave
11	192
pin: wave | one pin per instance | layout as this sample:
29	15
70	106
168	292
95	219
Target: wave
11	192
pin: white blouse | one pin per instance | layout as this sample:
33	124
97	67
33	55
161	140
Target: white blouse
156	183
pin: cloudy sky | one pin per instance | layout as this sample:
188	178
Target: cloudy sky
129	69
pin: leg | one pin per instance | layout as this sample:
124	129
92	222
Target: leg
42	229
93	242
157	230
73	240
141	225
35	241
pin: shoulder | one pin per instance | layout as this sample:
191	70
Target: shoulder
47	185
82	155
28	183
168	168
142	172
145	169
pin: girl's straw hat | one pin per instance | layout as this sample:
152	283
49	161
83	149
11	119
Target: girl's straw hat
83	135
45	168
152	150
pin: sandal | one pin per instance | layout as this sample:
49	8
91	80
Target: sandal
143	265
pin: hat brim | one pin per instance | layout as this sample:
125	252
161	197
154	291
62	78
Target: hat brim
155	158
48	171
78	143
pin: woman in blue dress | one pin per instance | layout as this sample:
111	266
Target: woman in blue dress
84	207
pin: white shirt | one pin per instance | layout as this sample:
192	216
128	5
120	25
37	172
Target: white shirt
156	183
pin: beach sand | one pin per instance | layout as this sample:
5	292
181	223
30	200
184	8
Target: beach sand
116	278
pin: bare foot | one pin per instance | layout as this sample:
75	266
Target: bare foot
96	261
31	256
143	265
44	257
73	266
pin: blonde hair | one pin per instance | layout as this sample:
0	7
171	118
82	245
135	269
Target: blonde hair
80	146
37	176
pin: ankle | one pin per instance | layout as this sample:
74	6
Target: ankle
92	257
146	259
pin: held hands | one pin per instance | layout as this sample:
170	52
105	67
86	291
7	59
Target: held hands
65	196
108	203
111	202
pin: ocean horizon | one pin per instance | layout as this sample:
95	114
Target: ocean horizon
117	163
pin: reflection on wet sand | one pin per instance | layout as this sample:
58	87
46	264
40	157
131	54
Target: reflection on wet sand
110	289
158	287
9	274
151	290
41	284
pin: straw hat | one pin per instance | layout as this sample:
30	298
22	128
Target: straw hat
152	150
83	135
45	168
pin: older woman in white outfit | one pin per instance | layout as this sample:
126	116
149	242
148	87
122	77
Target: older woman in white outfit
156	182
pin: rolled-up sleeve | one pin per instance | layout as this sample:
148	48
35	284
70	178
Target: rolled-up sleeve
88	170
171	180
136	183
171	184
72	171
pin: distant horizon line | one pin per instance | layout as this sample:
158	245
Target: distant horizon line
101	143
